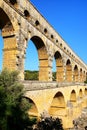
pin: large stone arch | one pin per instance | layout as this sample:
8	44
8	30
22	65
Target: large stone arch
13	2
73	98
42	57
85	91
84	76
80	94
59	66
68	71
11	14
14	39
10	43
33	111
58	105
75	74
81	75
84	100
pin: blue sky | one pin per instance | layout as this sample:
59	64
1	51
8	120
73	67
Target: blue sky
69	19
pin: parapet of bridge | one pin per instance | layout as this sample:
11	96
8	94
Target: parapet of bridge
20	22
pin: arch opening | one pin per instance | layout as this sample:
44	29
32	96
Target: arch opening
26	13
45	31
59	67
1	52
81	76
56	41
76	74
85	91
13	2
58	106
33	111
73	97
5	22
9	40
80	93
52	36
54	70
68	71
37	23
31	62
42	58
84	76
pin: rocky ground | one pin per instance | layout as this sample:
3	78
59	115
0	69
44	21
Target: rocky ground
81	122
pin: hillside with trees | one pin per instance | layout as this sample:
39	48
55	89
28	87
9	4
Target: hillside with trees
33	75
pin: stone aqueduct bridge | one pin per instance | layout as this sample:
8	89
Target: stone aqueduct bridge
20	22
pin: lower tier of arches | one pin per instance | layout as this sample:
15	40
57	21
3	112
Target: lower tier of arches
66	103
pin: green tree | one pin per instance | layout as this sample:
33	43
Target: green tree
13	105
31	75
50	123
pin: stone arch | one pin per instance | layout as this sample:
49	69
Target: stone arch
68	71
12	18
10	43
80	93
45	30
59	66
84	100
26	13
81	76
84	76
4	20
42	57
58	105
52	37
33	111
76	74
73	97
37	23
85	91
13	2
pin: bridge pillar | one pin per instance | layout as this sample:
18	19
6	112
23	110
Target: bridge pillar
60	71
75	74
44	71
69	74
84	101
14	52
84	77
21	46
10	52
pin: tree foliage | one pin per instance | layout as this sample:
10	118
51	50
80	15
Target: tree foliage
49	123
13	105
31	75
54	76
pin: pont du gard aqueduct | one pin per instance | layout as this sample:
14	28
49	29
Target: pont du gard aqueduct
66	97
